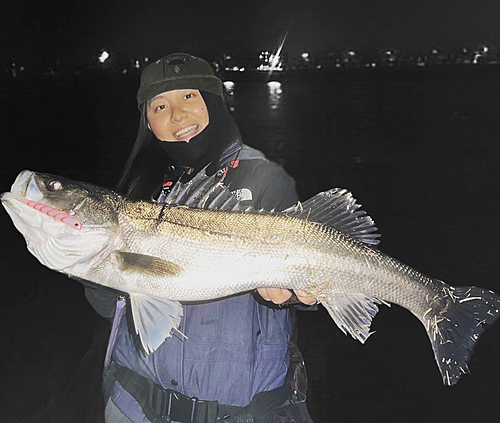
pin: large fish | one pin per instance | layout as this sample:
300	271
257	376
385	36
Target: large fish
200	245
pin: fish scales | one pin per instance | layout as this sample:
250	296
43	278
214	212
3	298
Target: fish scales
235	244
159	254
297	251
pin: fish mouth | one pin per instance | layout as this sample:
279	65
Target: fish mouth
7	199
55	236
25	186
186	131
25	193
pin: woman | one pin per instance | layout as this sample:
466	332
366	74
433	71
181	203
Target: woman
235	348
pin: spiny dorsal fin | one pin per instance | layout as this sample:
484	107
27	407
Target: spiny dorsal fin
338	209
205	192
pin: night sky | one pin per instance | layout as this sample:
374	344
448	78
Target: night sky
36	30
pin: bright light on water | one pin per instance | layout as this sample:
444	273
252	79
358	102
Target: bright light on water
229	86
274	86
274	91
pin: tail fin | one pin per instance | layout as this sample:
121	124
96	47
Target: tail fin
455	327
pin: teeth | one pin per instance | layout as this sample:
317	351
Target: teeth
184	131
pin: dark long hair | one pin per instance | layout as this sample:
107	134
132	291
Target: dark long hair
145	164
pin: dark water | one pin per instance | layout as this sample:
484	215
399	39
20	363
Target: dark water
420	152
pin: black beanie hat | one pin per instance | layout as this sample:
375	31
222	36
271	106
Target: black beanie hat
178	71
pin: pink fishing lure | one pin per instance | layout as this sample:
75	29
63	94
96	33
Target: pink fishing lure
57	214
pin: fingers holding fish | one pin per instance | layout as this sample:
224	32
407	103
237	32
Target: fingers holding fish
280	296
304	297
275	295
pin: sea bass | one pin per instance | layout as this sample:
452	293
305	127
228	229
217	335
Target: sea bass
201	245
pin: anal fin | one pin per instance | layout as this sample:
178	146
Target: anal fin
353	314
154	319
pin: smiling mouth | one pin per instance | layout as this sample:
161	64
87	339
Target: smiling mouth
186	131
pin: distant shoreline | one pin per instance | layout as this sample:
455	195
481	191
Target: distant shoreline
397	72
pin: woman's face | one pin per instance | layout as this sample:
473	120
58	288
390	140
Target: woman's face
177	115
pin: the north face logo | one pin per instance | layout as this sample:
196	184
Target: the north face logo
243	194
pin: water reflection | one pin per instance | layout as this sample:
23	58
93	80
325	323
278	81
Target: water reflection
229	87
274	92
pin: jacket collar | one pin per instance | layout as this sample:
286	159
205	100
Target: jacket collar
227	158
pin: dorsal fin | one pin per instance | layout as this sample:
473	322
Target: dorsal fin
338	209
205	192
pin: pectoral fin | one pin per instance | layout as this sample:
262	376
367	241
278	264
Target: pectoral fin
154	266
154	319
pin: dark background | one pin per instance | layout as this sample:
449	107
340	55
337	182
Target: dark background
417	147
74	30
418	150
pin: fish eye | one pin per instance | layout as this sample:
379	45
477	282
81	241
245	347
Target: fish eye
54	185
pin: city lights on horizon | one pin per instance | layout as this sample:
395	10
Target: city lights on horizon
275	61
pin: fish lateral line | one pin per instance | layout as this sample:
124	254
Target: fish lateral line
454	318
170	221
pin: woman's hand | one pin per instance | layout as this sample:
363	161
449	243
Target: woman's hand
279	296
